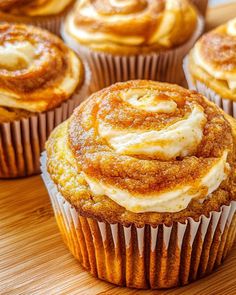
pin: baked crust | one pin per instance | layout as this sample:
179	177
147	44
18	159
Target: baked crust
217	49
132	28
76	146
37	70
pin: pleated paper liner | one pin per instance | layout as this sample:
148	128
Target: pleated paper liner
146	257
201	5
51	23
22	141
229	106
107	69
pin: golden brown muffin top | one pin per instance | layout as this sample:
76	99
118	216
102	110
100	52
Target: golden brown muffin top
37	70
131	27
34	7
213	59
144	152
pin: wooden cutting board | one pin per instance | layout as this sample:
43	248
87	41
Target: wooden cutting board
34	260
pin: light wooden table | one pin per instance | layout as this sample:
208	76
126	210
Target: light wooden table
34	260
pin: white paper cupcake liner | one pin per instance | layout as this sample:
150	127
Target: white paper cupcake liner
146	257
226	104
106	69
201	5
22	141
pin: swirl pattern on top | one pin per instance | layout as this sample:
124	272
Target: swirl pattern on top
34	7
215	53
151	25
149	146
37	70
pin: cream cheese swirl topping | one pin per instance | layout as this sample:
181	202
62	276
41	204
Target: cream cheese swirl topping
216	53
132	23
170	201
150	158
177	140
37	70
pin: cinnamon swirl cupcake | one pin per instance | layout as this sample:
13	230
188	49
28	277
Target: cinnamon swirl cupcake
47	14
41	81
124	40
142	182
211	66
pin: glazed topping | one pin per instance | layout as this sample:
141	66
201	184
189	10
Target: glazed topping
215	52
132	23
34	7
149	146
37	71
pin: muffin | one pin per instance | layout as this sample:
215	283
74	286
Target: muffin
42	81
201	5
210	67
47	14
133	40
142	182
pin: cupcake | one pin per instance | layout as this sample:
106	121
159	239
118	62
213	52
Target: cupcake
47	14
210	67
201	5
141	179
134	39
42	80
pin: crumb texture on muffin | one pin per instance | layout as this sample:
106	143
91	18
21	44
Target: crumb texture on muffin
37	71
144	152
131	27
213	60
34	7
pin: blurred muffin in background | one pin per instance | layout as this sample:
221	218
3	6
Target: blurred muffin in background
124	40
41	81
47	14
211	66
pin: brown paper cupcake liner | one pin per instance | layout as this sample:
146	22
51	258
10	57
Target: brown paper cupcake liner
22	141
226	104
146	257
201	5
107	69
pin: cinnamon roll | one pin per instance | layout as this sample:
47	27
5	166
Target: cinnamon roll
212	62
45	13
39	75
140	154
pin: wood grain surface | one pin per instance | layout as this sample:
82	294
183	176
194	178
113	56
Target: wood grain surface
34	260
